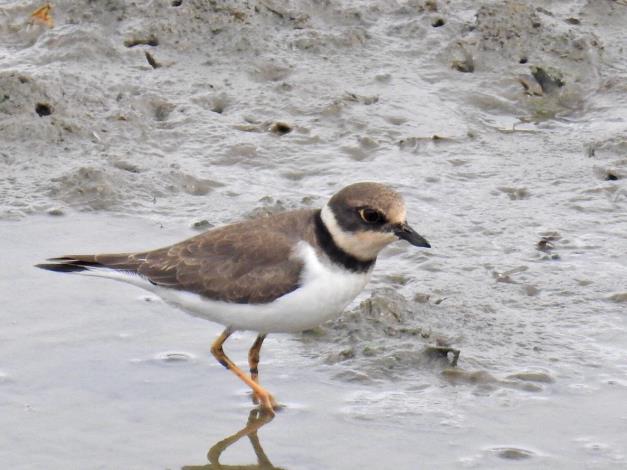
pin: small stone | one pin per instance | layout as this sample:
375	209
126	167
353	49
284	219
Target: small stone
55	212
43	109
280	128
512	453
531	291
151	60
422	298
201	224
619	297
464	66
550	80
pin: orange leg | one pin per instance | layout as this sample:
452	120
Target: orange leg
266	400
253	361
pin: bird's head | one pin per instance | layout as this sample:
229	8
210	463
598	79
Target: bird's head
364	218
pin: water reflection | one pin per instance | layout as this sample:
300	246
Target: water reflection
256	420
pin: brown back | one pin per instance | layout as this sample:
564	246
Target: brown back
246	262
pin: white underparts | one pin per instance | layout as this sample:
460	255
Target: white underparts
325	291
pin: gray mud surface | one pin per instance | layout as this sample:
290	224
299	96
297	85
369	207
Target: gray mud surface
131	125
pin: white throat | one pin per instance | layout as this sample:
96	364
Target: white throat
363	245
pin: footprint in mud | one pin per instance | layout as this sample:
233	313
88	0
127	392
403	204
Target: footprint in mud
169	357
270	71
166	358
190	184
88	188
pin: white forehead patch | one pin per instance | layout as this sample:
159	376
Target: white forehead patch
398	215
364	246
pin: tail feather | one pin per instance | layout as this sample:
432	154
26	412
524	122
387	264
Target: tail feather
78	263
121	267
61	267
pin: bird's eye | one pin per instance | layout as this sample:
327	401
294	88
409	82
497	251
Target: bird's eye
370	216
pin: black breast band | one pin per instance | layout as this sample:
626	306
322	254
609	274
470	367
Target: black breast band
335	253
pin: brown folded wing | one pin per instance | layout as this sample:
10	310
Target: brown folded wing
248	262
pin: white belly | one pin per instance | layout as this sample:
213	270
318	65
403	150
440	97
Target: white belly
324	292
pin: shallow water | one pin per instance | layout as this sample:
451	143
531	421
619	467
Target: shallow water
516	180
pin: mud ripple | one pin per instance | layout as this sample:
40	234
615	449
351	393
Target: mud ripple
383	337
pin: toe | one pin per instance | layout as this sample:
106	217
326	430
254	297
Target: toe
267	402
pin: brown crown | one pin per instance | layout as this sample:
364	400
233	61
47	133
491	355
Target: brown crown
374	195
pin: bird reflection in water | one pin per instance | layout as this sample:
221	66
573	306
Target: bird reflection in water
256	420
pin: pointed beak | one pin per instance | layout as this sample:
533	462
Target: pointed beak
405	232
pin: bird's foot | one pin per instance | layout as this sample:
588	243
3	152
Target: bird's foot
266	402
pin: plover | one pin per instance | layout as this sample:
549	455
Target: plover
284	273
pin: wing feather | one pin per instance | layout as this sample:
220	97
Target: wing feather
248	262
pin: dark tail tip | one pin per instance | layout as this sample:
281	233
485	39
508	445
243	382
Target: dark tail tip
61	267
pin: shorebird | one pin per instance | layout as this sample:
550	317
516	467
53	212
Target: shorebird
284	273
